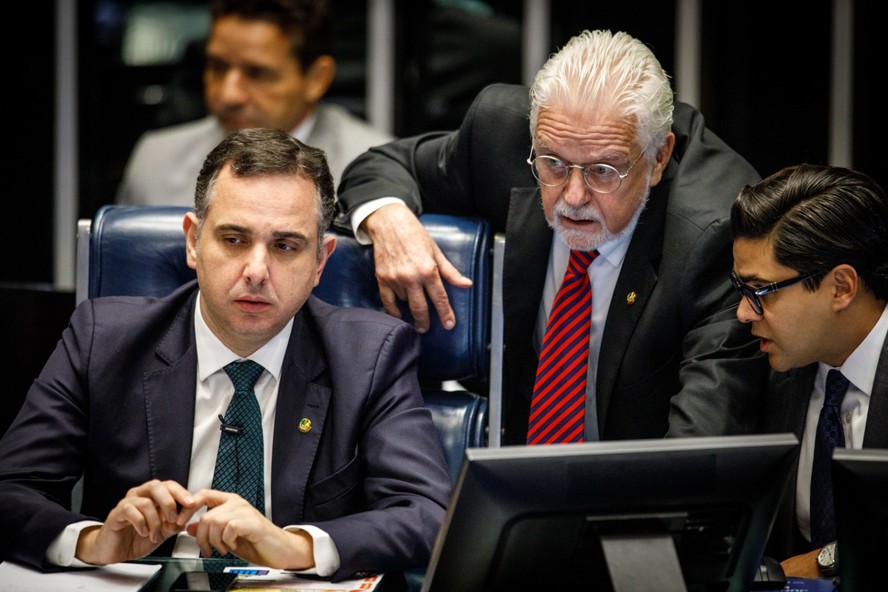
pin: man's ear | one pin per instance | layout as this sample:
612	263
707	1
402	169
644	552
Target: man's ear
846	283
662	159
190	226
328	245
319	77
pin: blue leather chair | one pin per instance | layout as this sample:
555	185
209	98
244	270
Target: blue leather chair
127	250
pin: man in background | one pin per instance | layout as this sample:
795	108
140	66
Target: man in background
267	64
811	260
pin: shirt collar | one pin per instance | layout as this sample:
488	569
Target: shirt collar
213	355
612	251
302	131
860	367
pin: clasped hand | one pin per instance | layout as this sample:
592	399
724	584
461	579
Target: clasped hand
157	510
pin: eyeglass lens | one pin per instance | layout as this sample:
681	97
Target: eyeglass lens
552	172
748	293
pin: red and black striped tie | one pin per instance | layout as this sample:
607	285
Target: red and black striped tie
559	395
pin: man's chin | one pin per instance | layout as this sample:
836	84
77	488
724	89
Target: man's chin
581	241
780	363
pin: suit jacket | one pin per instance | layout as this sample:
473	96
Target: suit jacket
115	402
672	359
786	410
163	167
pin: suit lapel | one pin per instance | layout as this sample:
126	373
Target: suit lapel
638	276
876	433
786	410
169	399
526	259
299	421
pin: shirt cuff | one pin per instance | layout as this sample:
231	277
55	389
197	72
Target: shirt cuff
326	555
62	549
364	210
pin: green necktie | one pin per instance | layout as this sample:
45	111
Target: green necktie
239	462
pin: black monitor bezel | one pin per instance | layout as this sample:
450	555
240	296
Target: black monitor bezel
860	492
496	485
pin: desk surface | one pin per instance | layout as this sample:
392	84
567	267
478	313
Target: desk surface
171	568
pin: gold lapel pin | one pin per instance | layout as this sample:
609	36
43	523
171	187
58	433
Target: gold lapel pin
630	298
304	425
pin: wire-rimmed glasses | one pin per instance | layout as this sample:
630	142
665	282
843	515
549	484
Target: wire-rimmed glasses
599	177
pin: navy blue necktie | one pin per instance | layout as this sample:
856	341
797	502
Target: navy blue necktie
830	434
239	462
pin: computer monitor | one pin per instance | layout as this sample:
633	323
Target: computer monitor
860	491
673	514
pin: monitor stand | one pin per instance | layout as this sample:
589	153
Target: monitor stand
643	562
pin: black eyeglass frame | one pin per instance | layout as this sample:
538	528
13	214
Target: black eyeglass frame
754	295
583	169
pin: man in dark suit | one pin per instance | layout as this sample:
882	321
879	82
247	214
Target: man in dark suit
353	475
651	194
811	259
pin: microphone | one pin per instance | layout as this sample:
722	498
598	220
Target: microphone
229	427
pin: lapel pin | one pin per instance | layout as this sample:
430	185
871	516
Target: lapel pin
304	425
630	298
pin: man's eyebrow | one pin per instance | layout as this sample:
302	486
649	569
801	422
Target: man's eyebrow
753	278
232	228
281	234
293	235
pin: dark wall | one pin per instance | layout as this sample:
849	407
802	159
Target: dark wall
35	321
766	80
870	128
30	129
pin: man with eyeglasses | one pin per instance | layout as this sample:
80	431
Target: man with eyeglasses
621	172
811	262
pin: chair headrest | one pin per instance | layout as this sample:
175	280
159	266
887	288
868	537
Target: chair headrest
137	251
458	354
141	251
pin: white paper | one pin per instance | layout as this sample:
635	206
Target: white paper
118	577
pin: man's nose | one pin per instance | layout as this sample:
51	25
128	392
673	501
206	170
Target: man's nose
256	267
232	87
576	192
746	313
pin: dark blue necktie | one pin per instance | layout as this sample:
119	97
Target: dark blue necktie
829	435
239	462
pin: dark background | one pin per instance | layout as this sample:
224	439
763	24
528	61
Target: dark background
764	89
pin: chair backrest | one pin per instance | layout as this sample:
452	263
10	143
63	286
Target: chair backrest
133	250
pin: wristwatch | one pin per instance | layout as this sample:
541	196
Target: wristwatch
828	560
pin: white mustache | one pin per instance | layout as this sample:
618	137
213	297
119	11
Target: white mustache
586	212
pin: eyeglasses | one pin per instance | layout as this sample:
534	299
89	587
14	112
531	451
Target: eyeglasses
754	295
599	177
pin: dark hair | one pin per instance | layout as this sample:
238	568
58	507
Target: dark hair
817	217
305	22
265	151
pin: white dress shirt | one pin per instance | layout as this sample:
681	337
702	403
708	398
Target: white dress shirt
860	370
603	274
